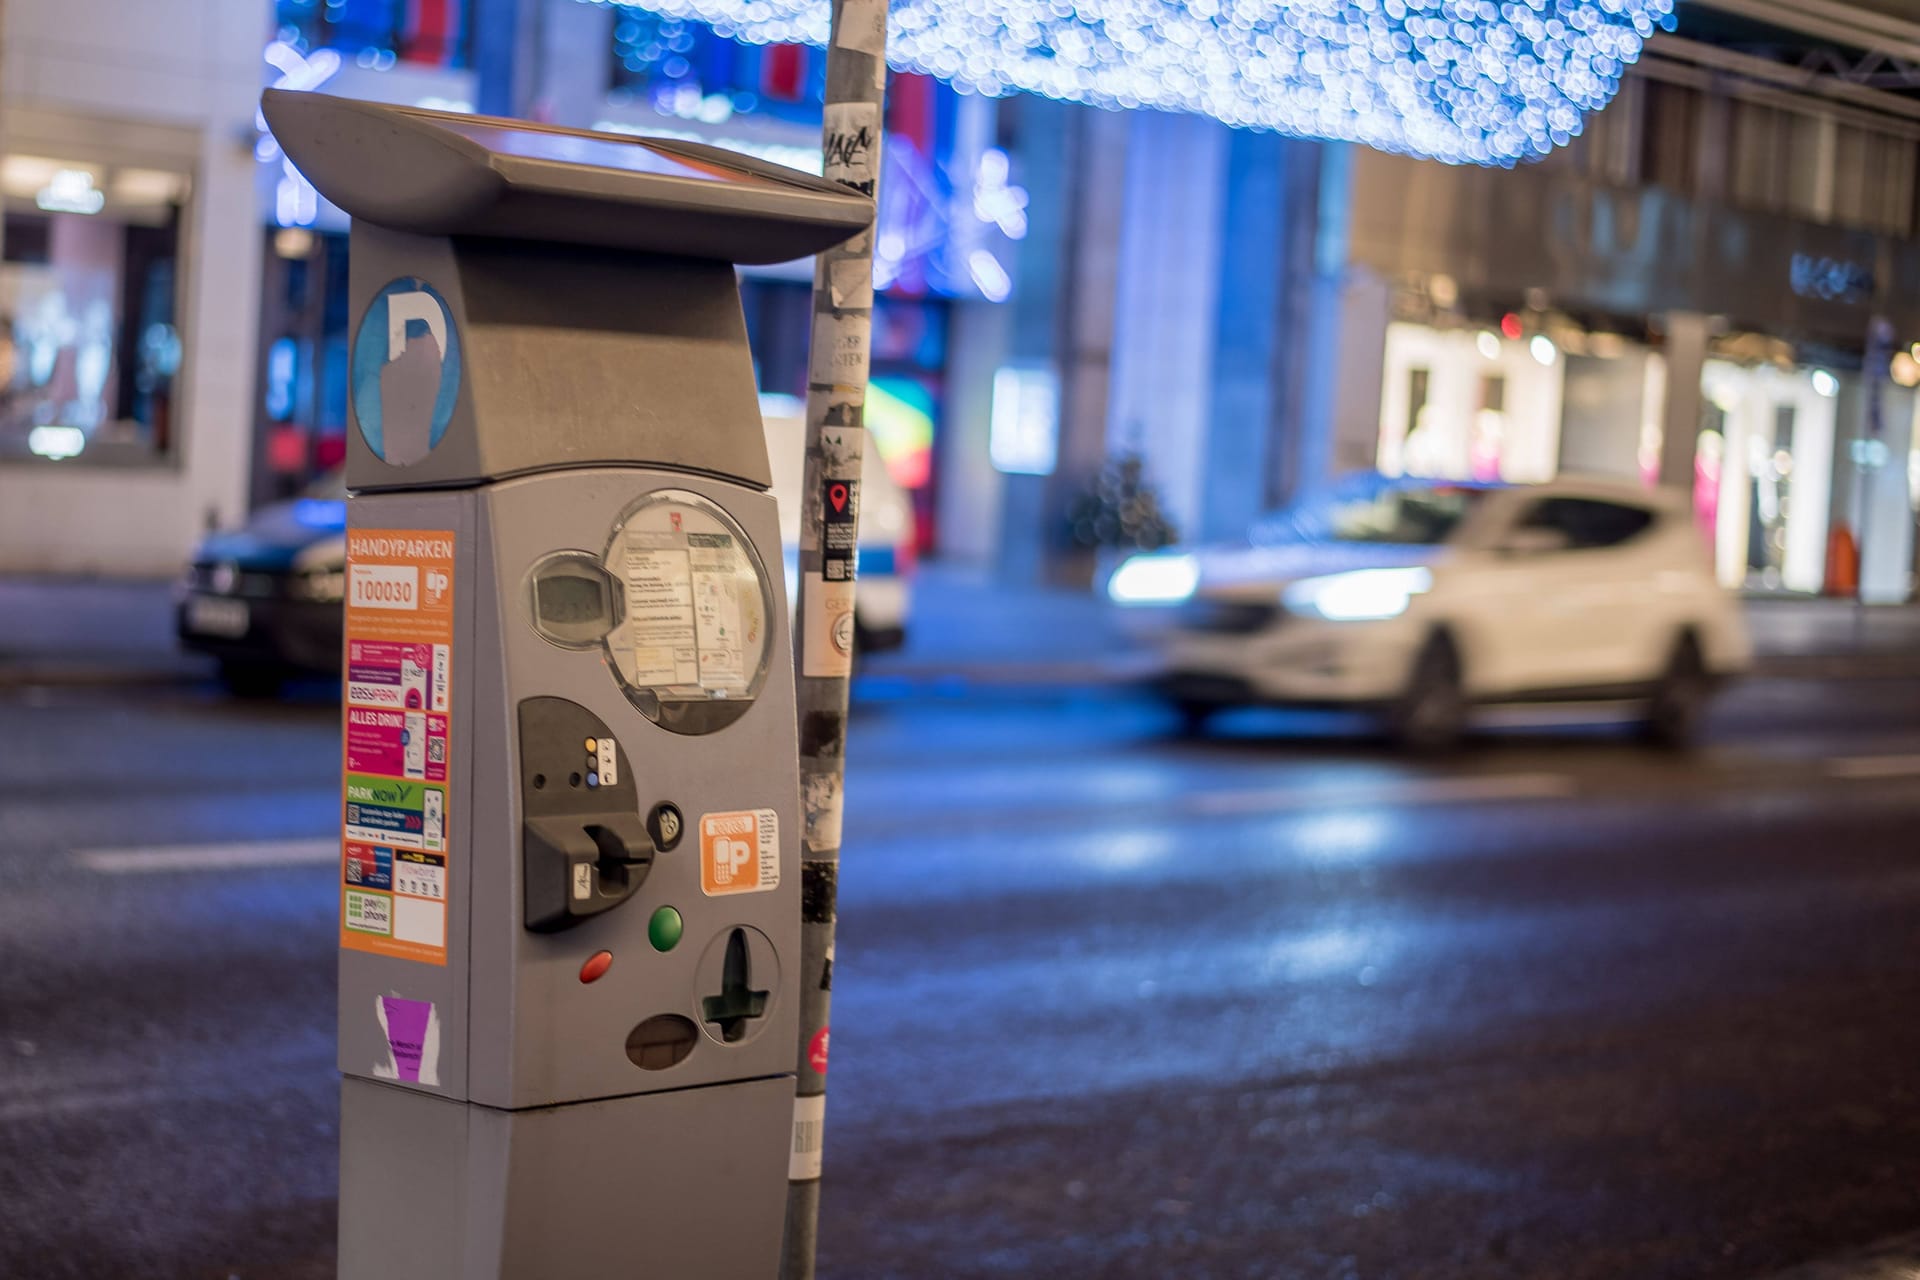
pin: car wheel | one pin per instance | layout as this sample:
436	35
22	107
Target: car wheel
252	679
1679	701
1432	714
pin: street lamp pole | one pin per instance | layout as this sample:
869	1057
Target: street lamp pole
829	559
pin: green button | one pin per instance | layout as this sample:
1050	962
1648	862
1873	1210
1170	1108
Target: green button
663	931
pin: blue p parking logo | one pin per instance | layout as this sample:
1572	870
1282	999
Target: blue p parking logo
405	371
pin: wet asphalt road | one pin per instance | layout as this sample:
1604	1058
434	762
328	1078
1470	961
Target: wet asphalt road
1107	1004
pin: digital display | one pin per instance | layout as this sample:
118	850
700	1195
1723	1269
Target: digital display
569	600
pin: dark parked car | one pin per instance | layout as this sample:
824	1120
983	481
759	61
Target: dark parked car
265	599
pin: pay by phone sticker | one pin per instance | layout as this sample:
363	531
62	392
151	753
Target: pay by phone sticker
739	852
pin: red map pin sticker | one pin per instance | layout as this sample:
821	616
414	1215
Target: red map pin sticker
817	1051
837	494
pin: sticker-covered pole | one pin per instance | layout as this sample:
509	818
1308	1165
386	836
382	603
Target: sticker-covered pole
829	518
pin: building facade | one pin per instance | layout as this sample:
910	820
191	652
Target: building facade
127	318
1711	286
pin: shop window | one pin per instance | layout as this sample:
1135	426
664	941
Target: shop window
90	343
430	32
1587	523
687	69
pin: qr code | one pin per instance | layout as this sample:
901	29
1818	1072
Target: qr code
437	750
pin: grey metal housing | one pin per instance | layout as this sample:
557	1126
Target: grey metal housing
603	356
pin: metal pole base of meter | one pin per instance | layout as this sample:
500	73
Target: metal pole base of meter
836	434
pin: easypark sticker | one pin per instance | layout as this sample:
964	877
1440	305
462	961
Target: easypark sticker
739	852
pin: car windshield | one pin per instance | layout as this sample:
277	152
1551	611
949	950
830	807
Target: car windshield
1406	516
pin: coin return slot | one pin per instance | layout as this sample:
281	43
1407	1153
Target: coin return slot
662	1041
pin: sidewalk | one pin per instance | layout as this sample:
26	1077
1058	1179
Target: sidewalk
966	631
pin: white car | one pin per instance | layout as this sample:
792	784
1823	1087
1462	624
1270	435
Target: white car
1420	599
883	599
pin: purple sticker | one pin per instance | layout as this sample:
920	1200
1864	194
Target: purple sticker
407	1033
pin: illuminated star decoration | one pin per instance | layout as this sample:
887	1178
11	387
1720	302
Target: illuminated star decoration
1465	81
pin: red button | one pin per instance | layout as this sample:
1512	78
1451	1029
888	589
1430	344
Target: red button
597	963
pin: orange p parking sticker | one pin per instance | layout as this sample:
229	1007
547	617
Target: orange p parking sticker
739	852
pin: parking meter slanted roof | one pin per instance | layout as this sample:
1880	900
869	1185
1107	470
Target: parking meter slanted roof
445	174
571	294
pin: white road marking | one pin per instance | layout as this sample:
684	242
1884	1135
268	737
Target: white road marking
1386	794
1873	766
1376	794
211	857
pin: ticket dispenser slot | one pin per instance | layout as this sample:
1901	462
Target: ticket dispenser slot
585	849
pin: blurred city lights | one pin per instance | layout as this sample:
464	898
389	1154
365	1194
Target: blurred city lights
1154	578
56	442
71	191
1488	344
1542	349
1825	383
1465	81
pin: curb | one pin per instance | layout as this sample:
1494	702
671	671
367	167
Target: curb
1897	1258
98	675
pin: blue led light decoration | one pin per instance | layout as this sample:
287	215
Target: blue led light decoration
1464	81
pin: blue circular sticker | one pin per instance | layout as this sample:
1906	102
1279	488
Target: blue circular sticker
406	370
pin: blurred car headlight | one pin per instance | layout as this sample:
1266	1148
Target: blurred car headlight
1363	595
1154	579
326	586
320	571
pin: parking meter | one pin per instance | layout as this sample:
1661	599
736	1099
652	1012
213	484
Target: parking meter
569	921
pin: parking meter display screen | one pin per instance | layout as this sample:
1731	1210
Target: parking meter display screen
693	647
565	600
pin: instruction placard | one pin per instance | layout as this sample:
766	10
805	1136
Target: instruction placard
396	727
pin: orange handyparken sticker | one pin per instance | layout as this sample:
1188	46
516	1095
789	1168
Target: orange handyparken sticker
739	852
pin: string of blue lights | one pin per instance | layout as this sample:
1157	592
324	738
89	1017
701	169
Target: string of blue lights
1465	81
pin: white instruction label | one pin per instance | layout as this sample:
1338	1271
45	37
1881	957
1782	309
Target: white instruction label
840	352
660	616
829	628
809	1138
863	25
850	282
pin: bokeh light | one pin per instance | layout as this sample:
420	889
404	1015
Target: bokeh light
1464	81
